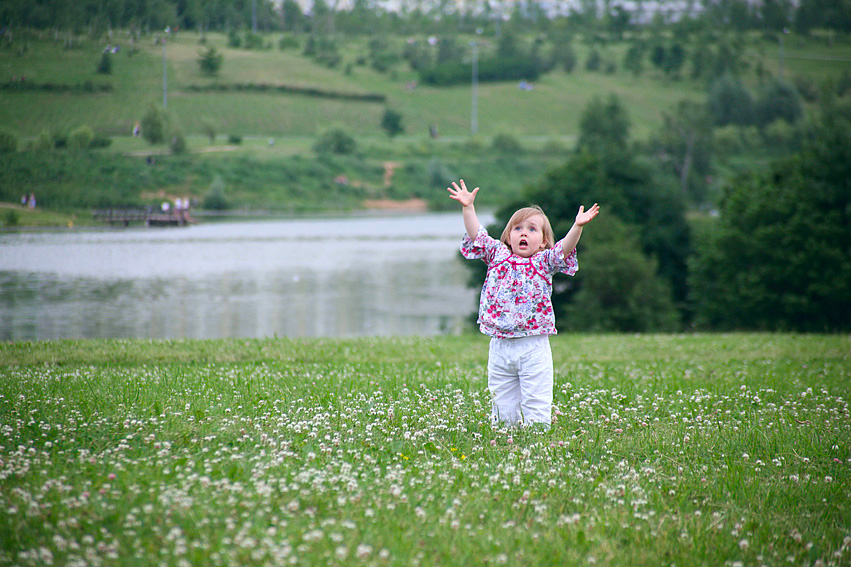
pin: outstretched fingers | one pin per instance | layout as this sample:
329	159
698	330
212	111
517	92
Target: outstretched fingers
461	194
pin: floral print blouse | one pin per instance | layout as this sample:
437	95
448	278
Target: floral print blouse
516	297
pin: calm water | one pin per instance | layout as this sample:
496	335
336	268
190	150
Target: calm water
344	277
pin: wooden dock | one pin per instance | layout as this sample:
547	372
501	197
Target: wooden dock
147	215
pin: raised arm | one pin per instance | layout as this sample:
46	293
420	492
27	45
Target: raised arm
583	217
466	198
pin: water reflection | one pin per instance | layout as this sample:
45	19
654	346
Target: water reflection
328	277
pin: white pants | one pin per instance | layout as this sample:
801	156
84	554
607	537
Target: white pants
520	380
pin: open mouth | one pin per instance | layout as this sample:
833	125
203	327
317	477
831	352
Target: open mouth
523	243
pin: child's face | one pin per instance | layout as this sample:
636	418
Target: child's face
527	237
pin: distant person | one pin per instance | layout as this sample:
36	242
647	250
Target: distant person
515	308
31	201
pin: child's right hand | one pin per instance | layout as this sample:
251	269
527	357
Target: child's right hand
461	194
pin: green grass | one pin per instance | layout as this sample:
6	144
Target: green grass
666	449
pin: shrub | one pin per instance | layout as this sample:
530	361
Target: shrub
728	139
506	144
843	85
778	100
288	42
439	174
81	138
100	141
253	41
807	87
335	141
43	142
780	134
208	127
178	141
391	122
210	62
8	142
215	198
594	61
105	65
235	139
730	102
12	217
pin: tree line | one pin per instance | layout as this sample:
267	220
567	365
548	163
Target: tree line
96	17
777	257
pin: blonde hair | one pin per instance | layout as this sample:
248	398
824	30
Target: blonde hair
520	216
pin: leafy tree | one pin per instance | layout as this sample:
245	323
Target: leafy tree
594	61
675	57
730	102
633	60
391	122
154	125
604	126
619	290
564	55
778	100
778	257
448	50
508	46
685	141
634	193
210	62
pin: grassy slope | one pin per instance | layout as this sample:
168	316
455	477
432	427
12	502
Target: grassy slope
550	110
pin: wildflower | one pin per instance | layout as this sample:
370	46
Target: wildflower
743	543
363	550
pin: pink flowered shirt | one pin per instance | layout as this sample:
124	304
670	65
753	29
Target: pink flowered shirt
516	297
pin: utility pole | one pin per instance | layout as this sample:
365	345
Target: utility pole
474	118
165	72
780	56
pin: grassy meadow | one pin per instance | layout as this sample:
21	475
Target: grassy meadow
707	450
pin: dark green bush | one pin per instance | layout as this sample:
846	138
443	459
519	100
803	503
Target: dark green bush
8	141
105	65
335	141
506	144
81	138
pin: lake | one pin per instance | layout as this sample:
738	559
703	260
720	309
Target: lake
327	277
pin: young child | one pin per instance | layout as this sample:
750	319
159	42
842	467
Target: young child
516	309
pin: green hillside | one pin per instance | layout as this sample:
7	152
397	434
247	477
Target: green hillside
550	110
48	90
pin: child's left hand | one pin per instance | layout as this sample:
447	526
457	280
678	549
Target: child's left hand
583	217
